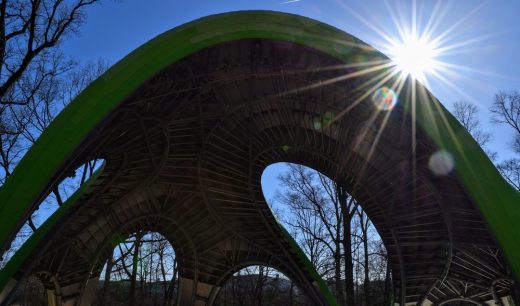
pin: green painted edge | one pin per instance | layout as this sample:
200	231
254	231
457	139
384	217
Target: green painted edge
496	199
329	297
30	245
494	196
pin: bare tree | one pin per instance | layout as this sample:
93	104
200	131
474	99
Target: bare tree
11	149
259	286
510	169
135	264
26	123
506	110
31	64
364	223
33	75
142	271
106	283
308	193
467	114
32	69
349	207
30	31
325	220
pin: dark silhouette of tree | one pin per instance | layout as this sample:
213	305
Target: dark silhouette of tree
325	219
260	286
142	271
467	114
312	193
506	110
32	69
510	169
30	32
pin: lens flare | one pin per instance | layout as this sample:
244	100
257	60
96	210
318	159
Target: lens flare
324	120
328	117
441	163
384	98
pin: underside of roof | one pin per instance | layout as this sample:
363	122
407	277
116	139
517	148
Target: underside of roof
188	122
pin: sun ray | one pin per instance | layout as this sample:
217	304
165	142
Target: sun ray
443	122
374	79
371	120
419	47
446	48
380	32
398	22
339	78
446	82
434	20
414	17
444	35
453	68
391	74
416	58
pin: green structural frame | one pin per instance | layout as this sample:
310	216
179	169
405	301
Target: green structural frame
498	202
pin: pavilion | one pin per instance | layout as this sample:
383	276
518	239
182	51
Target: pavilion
187	123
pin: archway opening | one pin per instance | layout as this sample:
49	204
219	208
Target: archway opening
333	230
142	270
260	285
56	197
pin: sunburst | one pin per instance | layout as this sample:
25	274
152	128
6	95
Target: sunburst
416	56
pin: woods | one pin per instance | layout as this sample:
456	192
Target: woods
36	81
336	235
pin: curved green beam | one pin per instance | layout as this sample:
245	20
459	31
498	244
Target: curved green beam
496	199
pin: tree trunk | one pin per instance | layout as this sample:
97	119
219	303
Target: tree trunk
346	208
135	261
151	273
163	274
171	287
106	283
291	294
259	286
337	276
366	284
388	286
348	266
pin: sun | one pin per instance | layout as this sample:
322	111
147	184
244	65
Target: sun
415	56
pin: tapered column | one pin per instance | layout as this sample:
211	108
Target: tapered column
79	294
52	299
11	284
196	293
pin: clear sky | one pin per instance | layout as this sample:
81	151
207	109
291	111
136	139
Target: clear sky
480	39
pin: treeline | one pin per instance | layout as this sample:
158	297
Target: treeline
336	234
504	111
141	270
37	79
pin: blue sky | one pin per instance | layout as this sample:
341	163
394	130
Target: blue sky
484	37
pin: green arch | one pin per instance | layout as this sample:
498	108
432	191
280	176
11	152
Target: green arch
496	199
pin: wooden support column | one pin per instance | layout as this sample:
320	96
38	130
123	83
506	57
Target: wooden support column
89	292
195	294
4	294
79	294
